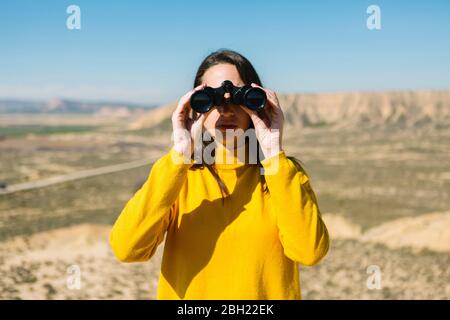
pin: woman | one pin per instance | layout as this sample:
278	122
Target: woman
231	232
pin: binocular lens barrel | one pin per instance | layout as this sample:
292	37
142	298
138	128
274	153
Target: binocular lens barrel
253	98
201	101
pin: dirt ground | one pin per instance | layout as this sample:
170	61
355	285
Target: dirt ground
42	266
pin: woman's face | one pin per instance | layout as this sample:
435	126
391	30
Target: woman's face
229	116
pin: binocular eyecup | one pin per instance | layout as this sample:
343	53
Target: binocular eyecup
253	98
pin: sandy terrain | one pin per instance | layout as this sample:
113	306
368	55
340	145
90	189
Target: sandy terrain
40	266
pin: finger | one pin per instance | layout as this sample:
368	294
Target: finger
198	122
247	110
252	113
257	120
268	91
266	117
189	123
190	93
197	126
201	118
255	117
272	109
184	101
197	88
271	95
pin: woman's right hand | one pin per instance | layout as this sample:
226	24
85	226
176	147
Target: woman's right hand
186	130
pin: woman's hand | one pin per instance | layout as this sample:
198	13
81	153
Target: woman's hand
268	124
187	130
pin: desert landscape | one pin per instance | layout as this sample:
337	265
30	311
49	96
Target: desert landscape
379	163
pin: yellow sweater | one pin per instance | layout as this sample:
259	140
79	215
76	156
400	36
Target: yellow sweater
246	248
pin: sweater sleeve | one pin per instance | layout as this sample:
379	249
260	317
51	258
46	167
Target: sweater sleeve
142	224
302	232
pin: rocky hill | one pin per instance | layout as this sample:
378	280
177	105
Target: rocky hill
402	109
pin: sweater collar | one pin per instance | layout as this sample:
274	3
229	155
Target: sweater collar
229	158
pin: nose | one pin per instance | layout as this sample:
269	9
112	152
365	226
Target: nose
226	108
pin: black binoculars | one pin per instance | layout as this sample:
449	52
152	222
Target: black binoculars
251	97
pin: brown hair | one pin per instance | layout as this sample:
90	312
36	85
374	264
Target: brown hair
248	75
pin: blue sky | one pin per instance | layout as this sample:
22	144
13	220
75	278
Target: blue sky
148	51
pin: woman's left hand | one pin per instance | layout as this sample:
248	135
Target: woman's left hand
268	124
